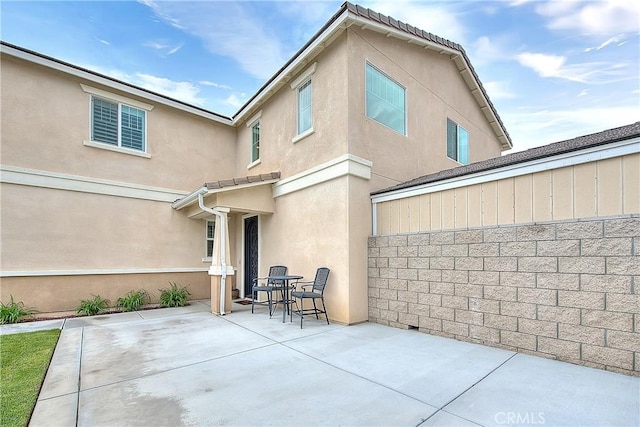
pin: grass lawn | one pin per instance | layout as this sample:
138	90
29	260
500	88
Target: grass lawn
24	359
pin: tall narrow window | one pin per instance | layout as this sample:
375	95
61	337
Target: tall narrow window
255	142
118	124
385	100
304	107
211	228
457	142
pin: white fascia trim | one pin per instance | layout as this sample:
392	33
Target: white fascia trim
601	152
83	184
111	84
301	59
341	166
92	272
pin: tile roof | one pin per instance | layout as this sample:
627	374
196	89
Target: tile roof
216	185
582	142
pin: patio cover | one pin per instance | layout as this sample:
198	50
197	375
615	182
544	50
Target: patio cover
250	194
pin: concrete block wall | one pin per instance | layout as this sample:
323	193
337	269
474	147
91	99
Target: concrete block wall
567	290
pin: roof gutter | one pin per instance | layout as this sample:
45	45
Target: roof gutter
189	199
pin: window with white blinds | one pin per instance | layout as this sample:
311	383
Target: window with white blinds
385	100
118	124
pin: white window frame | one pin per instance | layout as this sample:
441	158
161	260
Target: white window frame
463	160
207	239
120	100
302	79
255	120
405	107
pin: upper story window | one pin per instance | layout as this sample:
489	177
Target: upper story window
457	142
304	107
254	127
117	123
304	88
385	100
255	142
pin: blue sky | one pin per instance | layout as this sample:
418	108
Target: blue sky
554	69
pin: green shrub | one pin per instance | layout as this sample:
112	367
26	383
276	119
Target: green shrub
133	300
91	307
175	296
12	312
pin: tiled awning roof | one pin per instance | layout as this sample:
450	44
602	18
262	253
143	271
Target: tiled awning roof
215	185
575	144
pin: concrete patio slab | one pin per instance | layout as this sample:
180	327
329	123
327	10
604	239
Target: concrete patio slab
102	319
445	419
145	347
195	368
533	390
432	369
267	386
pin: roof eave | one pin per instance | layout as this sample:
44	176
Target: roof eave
92	76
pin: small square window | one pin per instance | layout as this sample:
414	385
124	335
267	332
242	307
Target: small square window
457	142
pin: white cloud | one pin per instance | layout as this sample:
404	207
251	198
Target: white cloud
241	35
544	65
584	92
486	50
592	17
439	20
214	84
618	40
165	49
236	101
499	90
183	91
589	72
103	41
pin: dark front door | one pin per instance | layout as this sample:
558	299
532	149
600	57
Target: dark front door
250	253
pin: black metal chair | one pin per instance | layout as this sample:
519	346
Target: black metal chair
264	284
311	291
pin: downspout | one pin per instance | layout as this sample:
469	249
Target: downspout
223	245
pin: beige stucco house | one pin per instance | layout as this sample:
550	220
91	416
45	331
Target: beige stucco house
107	187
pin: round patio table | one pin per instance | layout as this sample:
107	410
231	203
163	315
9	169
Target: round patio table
285	290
